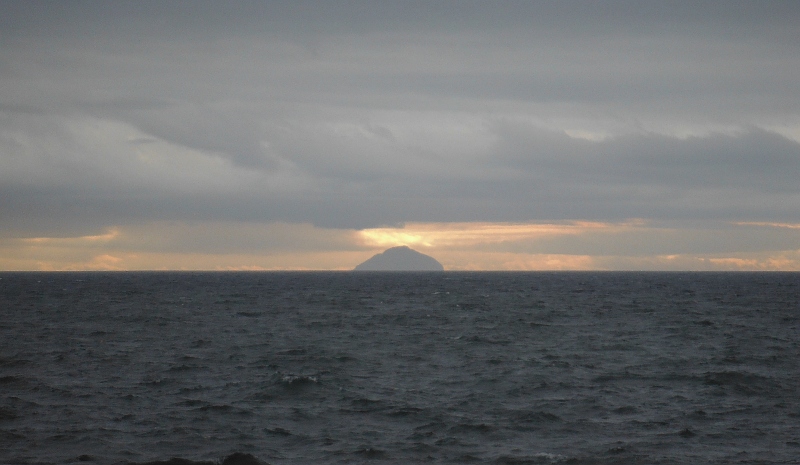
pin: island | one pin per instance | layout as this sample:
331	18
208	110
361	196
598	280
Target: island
400	258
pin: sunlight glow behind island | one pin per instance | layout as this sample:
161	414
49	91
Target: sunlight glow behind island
445	235
569	245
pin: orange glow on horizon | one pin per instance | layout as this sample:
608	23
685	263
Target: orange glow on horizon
770	225
469	234
458	246
112	234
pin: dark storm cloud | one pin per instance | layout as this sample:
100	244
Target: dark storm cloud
357	114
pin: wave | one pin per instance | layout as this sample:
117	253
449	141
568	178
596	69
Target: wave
7	414
291	381
741	382
541	458
237	458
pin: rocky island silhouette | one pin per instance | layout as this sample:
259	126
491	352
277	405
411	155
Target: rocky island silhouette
401	258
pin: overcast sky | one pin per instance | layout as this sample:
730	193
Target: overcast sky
311	135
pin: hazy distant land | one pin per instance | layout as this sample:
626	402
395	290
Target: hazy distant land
400	258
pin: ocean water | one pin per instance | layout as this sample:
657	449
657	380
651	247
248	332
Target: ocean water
405	368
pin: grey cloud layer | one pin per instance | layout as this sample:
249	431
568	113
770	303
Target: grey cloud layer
360	179
351	115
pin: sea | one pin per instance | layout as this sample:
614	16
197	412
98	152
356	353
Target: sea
400	368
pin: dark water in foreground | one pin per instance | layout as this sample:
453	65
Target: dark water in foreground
323	368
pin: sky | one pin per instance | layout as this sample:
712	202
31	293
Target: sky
503	135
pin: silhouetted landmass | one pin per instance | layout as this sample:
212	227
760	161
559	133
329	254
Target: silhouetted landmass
400	259
237	458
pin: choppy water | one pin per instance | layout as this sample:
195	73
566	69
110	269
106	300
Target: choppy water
323	368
